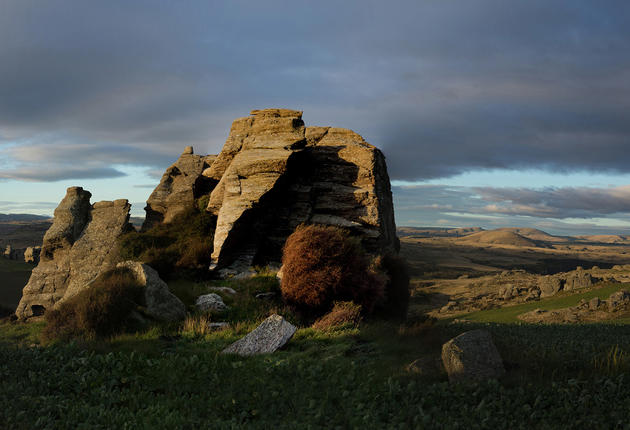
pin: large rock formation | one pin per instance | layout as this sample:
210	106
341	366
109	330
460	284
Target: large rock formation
180	185
274	174
79	245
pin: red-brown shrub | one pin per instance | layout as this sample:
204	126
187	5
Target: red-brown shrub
342	314
101	310
322	264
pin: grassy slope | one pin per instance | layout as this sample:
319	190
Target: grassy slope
509	314
174	377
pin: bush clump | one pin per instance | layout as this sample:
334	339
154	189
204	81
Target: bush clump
185	244
323	264
343	314
101	310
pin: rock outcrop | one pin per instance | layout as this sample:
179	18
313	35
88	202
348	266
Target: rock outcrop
472	356
31	254
271	335
180	185
273	174
161	304
79	245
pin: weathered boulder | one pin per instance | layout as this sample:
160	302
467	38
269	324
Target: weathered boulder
269	336
180	185
161	304
210	302
472	356
549	285
80	244
31	254
578	279
618	299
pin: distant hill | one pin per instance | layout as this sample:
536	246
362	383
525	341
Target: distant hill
22	218
422	232
535	234
499	237
605	238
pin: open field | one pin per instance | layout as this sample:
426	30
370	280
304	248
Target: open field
378	374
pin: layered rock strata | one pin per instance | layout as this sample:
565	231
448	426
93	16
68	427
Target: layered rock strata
79	245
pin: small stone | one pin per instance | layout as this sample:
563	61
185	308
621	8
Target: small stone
226	290
269	295
594	303
210	302
216	326
269	336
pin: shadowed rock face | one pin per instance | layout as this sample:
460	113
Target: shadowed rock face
274	174
80	244
180	185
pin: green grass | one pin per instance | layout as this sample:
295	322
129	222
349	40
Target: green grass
558	376
509	314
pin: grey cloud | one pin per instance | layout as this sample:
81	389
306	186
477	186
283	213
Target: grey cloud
58	174
442	87
557	202
547	209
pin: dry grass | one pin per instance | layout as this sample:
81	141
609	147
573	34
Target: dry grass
342	315
101	310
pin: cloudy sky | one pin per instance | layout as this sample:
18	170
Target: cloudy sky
490	113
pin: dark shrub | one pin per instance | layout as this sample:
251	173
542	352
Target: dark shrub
397	288
101	310
183	245
342	314
322	264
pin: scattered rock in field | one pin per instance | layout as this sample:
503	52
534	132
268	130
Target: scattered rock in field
31	254
472	356
269	336
269	295
594	303
549	285
226	290
161	304
578	279
210	302
617	299
507	291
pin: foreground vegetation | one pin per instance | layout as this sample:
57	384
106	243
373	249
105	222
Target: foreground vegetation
352	377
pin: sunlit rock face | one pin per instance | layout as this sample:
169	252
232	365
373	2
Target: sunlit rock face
180	185
80	244
273	174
